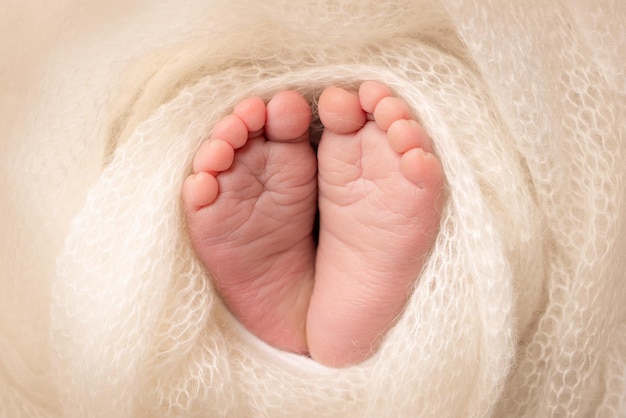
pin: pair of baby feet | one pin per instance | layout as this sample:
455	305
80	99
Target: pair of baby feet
251	204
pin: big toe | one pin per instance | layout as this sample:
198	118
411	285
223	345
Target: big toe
340	110
288	117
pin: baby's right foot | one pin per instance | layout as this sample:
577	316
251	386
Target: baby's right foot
379	200
250	208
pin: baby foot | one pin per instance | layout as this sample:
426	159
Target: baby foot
250	207
380	201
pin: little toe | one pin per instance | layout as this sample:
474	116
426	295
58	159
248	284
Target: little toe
372	92
288	117
213	156
340	111
199	190
390	109
422	168
405	134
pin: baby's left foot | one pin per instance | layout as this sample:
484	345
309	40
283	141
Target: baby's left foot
380	201
250	210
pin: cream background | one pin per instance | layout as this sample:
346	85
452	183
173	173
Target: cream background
520	311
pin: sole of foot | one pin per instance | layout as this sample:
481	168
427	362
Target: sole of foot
250	206
380	201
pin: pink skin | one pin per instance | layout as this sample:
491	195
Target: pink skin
250	208
380	201
250	205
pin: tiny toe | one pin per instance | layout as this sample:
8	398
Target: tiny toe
389	110
340	111
372	92
406	134
232	130
252	112
288	117
422	168
213	156
199	190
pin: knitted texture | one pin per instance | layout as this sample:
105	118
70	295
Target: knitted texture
519	310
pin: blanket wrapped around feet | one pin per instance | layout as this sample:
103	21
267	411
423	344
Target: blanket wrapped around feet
105	312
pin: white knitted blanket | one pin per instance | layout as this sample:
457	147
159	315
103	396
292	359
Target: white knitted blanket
105	312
